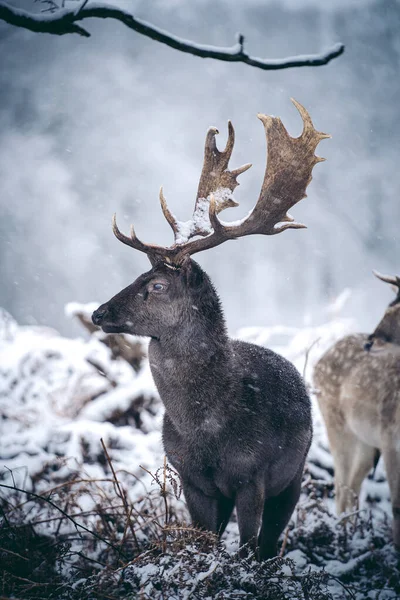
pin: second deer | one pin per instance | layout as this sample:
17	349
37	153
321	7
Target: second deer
357	384
237	424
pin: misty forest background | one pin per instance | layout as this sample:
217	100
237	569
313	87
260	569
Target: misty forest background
93	126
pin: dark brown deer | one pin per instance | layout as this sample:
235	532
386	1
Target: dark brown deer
357	384
237	424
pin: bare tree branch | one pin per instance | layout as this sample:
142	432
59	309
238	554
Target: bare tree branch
64	21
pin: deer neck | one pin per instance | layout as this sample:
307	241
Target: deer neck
192	367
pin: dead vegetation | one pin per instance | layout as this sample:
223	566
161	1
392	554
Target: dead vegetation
84	539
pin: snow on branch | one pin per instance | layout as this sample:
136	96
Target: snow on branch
61	21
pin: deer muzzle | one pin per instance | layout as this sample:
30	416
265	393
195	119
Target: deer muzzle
99	314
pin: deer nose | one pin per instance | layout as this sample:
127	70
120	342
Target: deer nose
99	315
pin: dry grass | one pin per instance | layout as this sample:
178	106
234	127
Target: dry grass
50	547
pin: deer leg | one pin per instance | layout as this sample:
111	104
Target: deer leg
249	507
211	513
225	508
276	515
203	509
352	460
391	456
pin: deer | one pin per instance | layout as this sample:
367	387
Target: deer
357	383
237	425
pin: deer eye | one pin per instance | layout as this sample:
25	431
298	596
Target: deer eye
159	287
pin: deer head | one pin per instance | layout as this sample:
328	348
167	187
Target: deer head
388	329
160	301
288	172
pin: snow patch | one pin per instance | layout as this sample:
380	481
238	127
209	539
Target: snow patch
200	221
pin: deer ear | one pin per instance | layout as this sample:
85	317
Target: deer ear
192	274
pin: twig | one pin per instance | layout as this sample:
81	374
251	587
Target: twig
133	561
132	475
11	473
13	553
164	490
49	491
150	473
162	486
64	22
127	526
66	506
75	523
345	587
76	481
84	513
81	7
89	559
164	495
33	583
354	513
307	356
121	494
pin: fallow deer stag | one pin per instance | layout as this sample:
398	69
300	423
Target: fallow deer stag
357	384
237	423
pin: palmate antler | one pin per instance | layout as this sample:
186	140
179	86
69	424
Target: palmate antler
289	166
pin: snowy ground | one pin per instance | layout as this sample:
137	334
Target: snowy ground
60	397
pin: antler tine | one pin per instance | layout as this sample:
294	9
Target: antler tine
215	177
239	171
154	252
218	228
308	126
132	241
392	279
168	214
